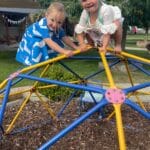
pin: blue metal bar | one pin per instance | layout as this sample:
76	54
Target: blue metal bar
92	75
66	104
92	57
73	125
137	108
94	100
137	61
4	102
70	85
18	80
32	126
140	67
136	87
65	66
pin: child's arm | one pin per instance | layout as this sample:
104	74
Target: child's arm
53	45
69	42
81	40
80	28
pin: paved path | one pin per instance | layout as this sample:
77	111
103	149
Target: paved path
19	99
4	47
135	48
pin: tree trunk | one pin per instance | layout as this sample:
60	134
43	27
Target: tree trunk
125	28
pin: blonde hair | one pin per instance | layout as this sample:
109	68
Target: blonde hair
56	6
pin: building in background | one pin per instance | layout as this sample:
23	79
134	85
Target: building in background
14	17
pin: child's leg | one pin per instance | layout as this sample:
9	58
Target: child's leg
118	39
89	39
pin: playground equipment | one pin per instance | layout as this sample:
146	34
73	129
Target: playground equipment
113	94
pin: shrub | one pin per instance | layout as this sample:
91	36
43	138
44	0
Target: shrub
57	93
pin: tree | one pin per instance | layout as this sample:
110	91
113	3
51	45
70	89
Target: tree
135	13
44	3
73	7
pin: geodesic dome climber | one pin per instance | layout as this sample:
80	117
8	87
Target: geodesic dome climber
110	94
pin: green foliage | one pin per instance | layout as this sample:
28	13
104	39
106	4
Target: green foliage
57	93
136	12
73	9
44	3
37	16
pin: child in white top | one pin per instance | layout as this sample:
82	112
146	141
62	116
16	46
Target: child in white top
100	22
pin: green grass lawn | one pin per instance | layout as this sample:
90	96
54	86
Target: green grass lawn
132	39
8	64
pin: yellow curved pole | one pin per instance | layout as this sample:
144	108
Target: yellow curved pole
136	57
50	110
60	57
107	69
117	107
42	74
132	56
18	113
3	83
120	126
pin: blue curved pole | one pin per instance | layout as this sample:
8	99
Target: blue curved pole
70	85
66	103
136	87
92	57
19	79
140	67
101	70
69	69
137	108
4	102
73	125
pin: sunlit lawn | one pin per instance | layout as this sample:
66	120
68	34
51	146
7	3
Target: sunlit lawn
8	65
132	39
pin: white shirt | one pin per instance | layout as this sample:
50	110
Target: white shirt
104	23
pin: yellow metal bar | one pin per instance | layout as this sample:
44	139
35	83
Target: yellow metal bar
140	102
136	57
128	72
3	83
60	57
16	93
108	118
107	69
51	112
132	56
54	85
121	136
42	74
17	115
142	92
131	81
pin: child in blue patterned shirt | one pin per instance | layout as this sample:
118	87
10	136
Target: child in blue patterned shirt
45	37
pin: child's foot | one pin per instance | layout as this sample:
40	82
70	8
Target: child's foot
117	49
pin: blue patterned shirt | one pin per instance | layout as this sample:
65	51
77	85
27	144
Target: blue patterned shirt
32	48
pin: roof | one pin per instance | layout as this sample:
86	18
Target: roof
18	10
19	3
19	6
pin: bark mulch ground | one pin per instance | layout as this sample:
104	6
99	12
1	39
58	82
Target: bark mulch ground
93	134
